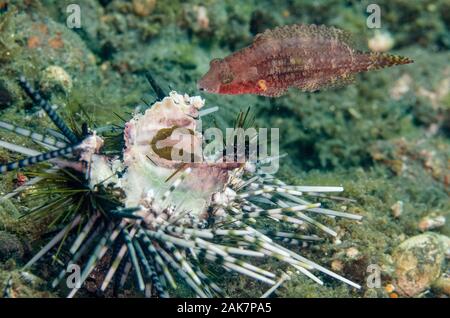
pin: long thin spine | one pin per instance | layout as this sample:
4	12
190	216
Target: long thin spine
134	260
160	92
270	291
102	247
207	280
118	259
36	159
239	269
290	235
183	262
217	252
35	136
57	135
190	232
280	213
308	189
151	249
228	249
158	281
162	236
19	149
180	272
58	237
318	267
83	249
319	225
247	266
25	186
159	271
275	211
328	212
267	189
58	121
199	243
308	274
207	111
124	271
274	251
8	288
176	183
231	232
84	232
210	249
317	194
149	270
125	215
247	182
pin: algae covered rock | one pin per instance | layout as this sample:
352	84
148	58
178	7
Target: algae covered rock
8	214
20	284
10	246
442	285
418	262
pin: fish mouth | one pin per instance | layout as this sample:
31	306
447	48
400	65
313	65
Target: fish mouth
201	88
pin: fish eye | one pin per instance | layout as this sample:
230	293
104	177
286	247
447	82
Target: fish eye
226	78
214	61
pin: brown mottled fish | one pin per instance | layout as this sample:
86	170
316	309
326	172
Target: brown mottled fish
309	57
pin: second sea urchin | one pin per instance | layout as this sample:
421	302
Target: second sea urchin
164	219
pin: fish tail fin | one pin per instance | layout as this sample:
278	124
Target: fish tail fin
382	60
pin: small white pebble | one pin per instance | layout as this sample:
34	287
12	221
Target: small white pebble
397	209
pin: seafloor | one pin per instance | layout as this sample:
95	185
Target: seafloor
385	138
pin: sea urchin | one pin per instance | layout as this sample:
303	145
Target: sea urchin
161	217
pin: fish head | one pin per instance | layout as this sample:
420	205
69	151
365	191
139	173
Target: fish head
217	78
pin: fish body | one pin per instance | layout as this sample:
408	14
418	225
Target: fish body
308	57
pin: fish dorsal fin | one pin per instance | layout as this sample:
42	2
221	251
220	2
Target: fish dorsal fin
305	31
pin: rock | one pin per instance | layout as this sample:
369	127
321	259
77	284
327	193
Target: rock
55	76
23	284
352	253
337	265
418	262
202	17
397	209
143	8
37	43
443	285
381	42
431	222
10	246
401	87
8	214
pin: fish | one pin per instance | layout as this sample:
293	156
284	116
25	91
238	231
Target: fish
309	57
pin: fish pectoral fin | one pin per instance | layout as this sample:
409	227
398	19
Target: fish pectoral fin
271	92
315	84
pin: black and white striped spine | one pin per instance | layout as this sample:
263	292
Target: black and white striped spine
33	135
36	159
8	288
58	121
